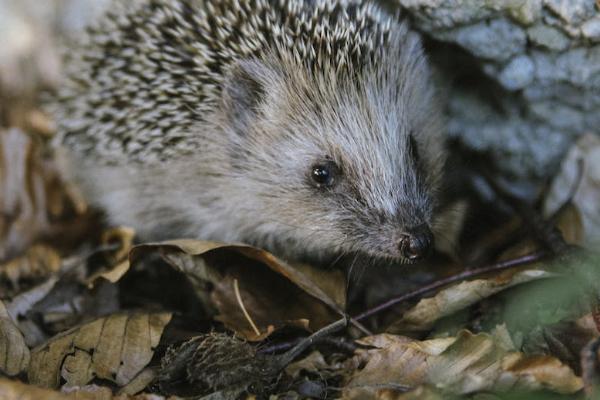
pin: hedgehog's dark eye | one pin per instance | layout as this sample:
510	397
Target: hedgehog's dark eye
323	174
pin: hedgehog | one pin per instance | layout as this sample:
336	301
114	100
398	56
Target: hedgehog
309	128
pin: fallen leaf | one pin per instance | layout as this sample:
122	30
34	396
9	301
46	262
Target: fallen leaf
33	197
457	297
570	223
463	364
37	263
113	274
115	348
395	392
117	261
587	195
313	362
15	390
273	293
122	237
140	382
14	353
21	304
22	197
422	393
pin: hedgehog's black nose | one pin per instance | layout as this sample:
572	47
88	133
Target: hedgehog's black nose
416	243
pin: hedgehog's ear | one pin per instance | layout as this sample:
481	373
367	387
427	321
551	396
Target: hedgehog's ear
243	93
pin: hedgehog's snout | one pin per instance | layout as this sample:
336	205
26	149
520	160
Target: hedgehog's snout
416	243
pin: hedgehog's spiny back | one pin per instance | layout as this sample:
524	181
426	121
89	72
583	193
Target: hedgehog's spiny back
153	68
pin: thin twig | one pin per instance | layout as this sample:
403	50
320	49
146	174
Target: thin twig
358	325
339	343
236	289
330	329
468	274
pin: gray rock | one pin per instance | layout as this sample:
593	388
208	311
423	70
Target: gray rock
518	73
542	63
548	37
496	40
443	14
525	12
572	11
591	29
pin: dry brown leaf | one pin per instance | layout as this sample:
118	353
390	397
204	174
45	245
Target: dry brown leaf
570	224
313	362
32	195
14	390
140	382
14	353
457	297
117	261
273	293
22	197
22	303
421	393
392	392
463	364
38	262
115	348
587	195
113	274
121	236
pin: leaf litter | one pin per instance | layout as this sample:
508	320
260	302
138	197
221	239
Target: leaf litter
89	312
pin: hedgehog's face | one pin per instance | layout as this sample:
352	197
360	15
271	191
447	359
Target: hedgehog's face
348	168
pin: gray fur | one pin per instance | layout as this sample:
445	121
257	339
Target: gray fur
203	118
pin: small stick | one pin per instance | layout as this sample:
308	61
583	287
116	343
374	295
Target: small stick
338	343
358	325
294	352
238	296
471	273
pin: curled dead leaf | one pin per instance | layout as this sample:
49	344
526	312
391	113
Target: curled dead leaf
463	364
585	153
38	262
313	362
117	261
22	303
140	382
33	197
122	237
22	197
273	293
115	348
457	297
15	390
14	353
570	223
